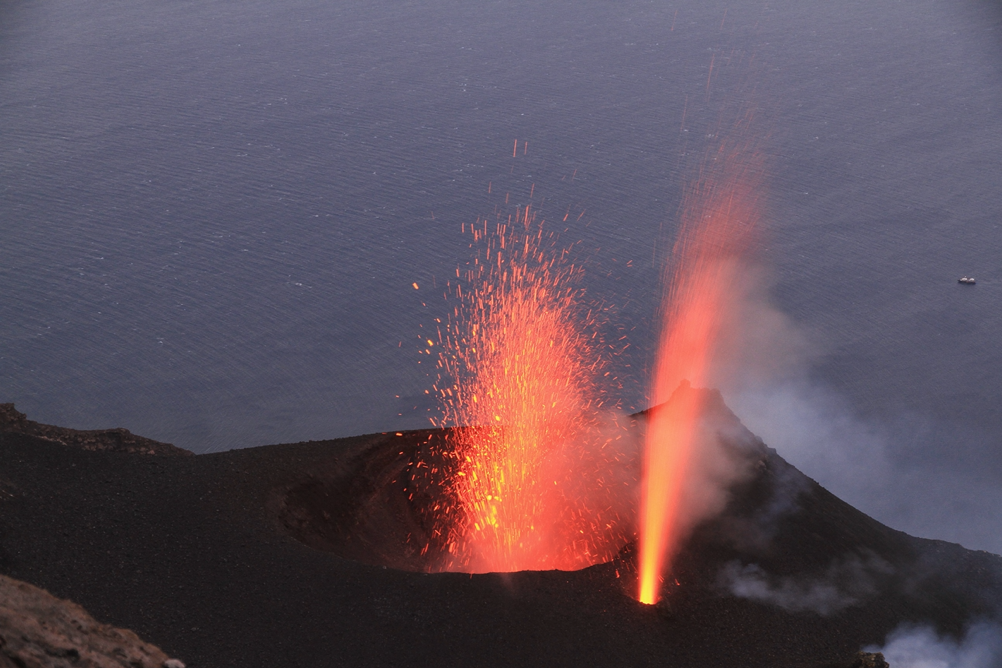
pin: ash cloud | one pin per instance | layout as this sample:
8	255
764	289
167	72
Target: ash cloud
910	471
911	646
845	583
877	466
600	473
723	457
595	475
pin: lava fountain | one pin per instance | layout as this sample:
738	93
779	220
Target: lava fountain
719	214
528	484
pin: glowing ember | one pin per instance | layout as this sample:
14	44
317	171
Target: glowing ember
718	217
526	483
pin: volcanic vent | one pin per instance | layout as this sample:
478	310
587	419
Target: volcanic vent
530	470
385	506
390	505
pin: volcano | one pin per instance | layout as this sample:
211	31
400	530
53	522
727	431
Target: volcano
310	554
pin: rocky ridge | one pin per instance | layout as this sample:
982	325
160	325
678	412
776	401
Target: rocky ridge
108	440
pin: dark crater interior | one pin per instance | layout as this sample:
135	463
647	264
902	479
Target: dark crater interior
380	509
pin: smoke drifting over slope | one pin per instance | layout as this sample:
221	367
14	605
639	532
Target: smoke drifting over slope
872	464
878	463
921	647
848	581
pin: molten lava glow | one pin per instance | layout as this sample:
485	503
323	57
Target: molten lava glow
518	374
719	214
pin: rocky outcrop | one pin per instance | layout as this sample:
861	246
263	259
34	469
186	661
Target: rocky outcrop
110	440
38	630
869	660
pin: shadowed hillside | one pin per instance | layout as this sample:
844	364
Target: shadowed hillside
278	555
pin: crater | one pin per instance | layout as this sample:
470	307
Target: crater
389	506
379	509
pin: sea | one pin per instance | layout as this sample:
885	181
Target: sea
228	224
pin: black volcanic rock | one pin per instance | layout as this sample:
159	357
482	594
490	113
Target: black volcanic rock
869	660
228	559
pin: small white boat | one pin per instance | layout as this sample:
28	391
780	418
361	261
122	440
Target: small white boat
966	280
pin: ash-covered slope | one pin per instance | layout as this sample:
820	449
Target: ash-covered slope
272	556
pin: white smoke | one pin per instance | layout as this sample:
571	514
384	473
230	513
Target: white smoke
845	583
886	466
817	432
758	344
872	464
922	647
718	463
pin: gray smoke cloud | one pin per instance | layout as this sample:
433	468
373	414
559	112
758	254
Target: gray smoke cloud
846	582
879	463
873	464
886	465
922	647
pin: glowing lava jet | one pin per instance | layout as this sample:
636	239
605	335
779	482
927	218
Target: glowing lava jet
518	376
719	213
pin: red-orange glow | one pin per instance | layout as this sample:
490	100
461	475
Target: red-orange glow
518	372
719	215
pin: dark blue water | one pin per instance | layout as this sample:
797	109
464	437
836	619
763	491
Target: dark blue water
213	212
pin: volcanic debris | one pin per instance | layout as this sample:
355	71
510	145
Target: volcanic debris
38	630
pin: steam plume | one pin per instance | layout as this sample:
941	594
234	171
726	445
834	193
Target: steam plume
922	647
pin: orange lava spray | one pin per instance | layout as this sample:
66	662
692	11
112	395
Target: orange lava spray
518	378
718	216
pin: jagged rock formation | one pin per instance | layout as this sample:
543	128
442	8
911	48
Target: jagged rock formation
38	630
109	440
